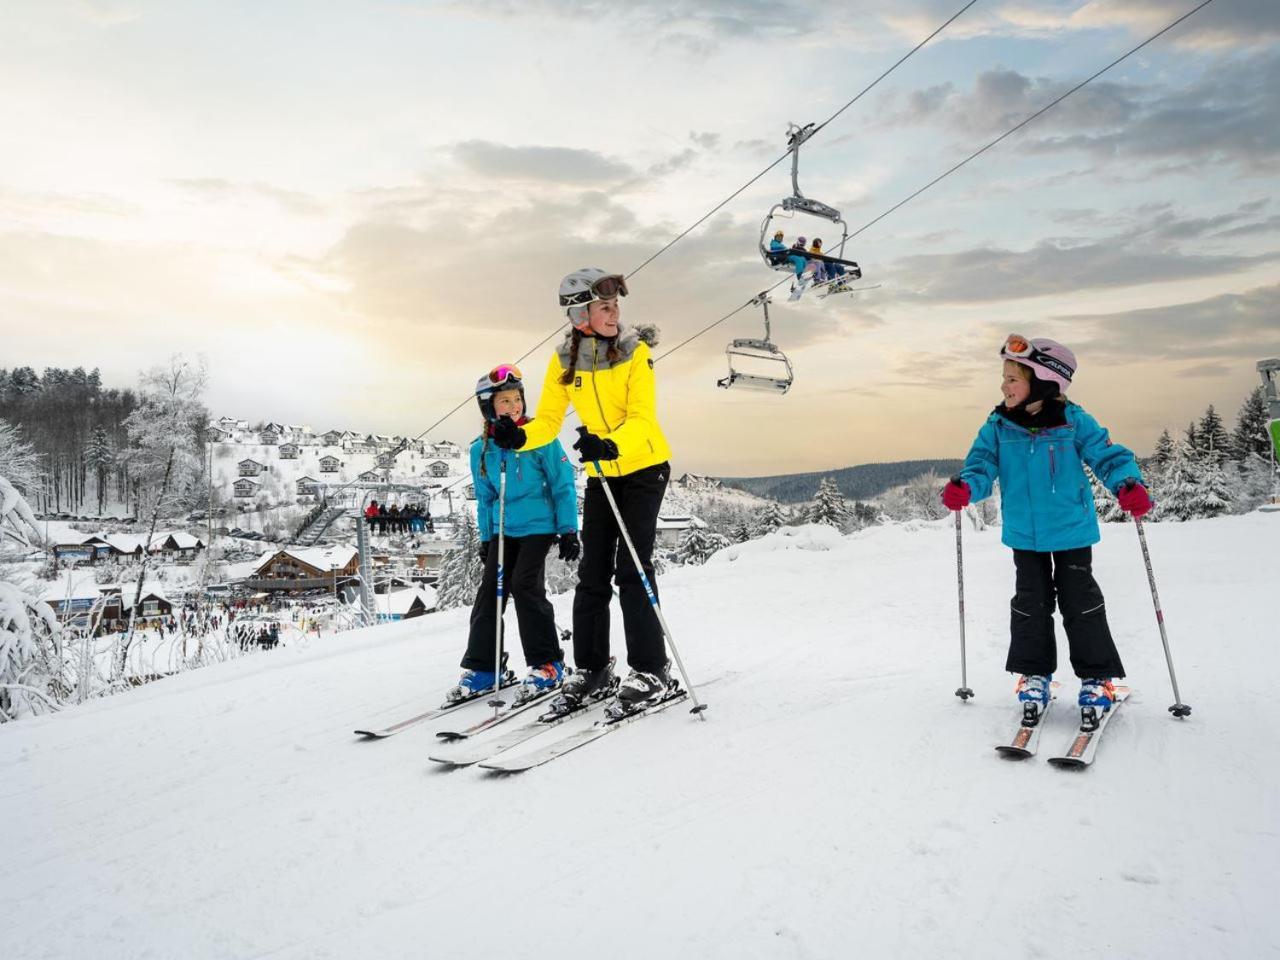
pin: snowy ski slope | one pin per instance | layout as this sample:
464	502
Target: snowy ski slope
838	802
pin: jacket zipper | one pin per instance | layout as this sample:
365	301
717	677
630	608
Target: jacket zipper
595	388
1053	471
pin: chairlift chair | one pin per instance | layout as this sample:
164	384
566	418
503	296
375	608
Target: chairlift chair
773	373
798	202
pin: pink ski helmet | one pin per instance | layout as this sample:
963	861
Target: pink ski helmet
1047	359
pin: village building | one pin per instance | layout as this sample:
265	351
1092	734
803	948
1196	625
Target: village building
250	468
446	449
329	464
217	435
299	569
246	487
438	469
177	546
332	438
673	527
288	451
405	604
308	487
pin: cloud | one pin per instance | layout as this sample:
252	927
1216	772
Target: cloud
1229	114
27	204
1235	24
219	190
1240	326
549	164
1055	265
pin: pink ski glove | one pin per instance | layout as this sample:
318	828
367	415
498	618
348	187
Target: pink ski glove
1134	499
956	494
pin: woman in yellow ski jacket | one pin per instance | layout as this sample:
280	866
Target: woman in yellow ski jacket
605	371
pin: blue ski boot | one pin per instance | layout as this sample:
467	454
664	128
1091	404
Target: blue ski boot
1033	694
473	682
1097	694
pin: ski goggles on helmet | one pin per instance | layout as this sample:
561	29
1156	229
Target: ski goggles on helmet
605	288
1018	347
504	374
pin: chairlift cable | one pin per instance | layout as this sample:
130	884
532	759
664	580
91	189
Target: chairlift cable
972	156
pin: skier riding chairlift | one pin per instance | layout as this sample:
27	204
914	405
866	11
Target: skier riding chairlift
762	355
783	259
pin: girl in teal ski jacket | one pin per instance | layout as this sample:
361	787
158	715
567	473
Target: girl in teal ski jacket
531	494
1037	444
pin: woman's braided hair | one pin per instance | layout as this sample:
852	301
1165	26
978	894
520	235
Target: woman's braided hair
612	354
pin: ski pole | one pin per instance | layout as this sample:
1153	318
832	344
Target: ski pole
1179	709
496	702
698	708
964	693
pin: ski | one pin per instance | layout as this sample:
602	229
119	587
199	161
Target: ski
1026	739
1084	744
580	738
381	733
502	716
512	738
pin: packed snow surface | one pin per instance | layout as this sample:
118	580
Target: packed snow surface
838	801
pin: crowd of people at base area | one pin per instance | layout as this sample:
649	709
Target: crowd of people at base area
410	518
804	260
1036	442
264	635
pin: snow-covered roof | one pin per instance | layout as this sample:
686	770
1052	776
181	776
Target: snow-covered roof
125	542
185	541
400	601
677	522
322	558
306	480
248	480
256	463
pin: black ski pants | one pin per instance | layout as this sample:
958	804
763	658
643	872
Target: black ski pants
1066	575
524	575
639	497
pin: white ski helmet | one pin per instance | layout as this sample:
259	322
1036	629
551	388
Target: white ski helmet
578	290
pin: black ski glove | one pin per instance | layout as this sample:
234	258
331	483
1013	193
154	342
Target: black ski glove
484	550
570	548
507	435
590	447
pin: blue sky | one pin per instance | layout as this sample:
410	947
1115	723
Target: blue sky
350	209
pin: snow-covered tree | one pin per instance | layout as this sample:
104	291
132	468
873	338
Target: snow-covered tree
164	451
697	546
1177	487
1213	439
1215	495
829	505
1104	502
1255	482
917	499
1251	433
1164	449
19	462
99	459
30	675
462	569
768	520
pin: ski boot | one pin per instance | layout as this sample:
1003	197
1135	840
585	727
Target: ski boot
582	686
641	690
1033	694
1096	697
475	682
538	681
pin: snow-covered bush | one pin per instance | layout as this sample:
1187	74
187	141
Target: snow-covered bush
697	546
30	674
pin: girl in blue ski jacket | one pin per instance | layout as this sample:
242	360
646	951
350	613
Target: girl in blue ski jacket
1037	443
540	508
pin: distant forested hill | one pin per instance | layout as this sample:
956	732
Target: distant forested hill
856	483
